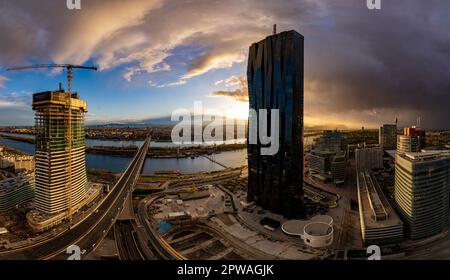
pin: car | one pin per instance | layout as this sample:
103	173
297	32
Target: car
83	251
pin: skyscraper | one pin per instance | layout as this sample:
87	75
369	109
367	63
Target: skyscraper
408	144
388	136
422	184
275	81
412	140
61	182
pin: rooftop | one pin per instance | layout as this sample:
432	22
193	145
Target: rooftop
425	155
375	209
283	33
58	98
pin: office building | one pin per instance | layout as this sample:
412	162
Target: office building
422	185
328	159
338	168
379	222
332	141
320	161
412	140
368	158
416	132
16	190
408	144
275	81
388	137
327	166
61	181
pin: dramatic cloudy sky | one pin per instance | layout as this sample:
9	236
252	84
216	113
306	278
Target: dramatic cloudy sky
362	67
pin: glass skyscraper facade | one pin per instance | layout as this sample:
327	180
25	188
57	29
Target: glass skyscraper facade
275	81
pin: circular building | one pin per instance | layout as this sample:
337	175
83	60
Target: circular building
318	235
317	232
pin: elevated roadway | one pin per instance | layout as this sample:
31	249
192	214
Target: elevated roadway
89	232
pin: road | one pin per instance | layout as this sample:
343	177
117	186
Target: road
159	246
127	241
88	233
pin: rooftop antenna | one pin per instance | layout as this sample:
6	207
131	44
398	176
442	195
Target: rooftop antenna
419	119
274	29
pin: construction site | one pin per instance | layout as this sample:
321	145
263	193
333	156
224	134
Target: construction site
213	222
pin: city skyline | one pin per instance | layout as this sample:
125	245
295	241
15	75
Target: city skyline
143	60
224	130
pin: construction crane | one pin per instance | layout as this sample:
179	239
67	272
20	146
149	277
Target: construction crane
68	135
69	68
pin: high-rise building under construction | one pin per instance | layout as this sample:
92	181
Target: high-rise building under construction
61	182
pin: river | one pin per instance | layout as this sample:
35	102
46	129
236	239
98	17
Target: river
125	143
112	163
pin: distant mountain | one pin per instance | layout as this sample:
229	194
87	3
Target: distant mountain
154	121
326	127
162	121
